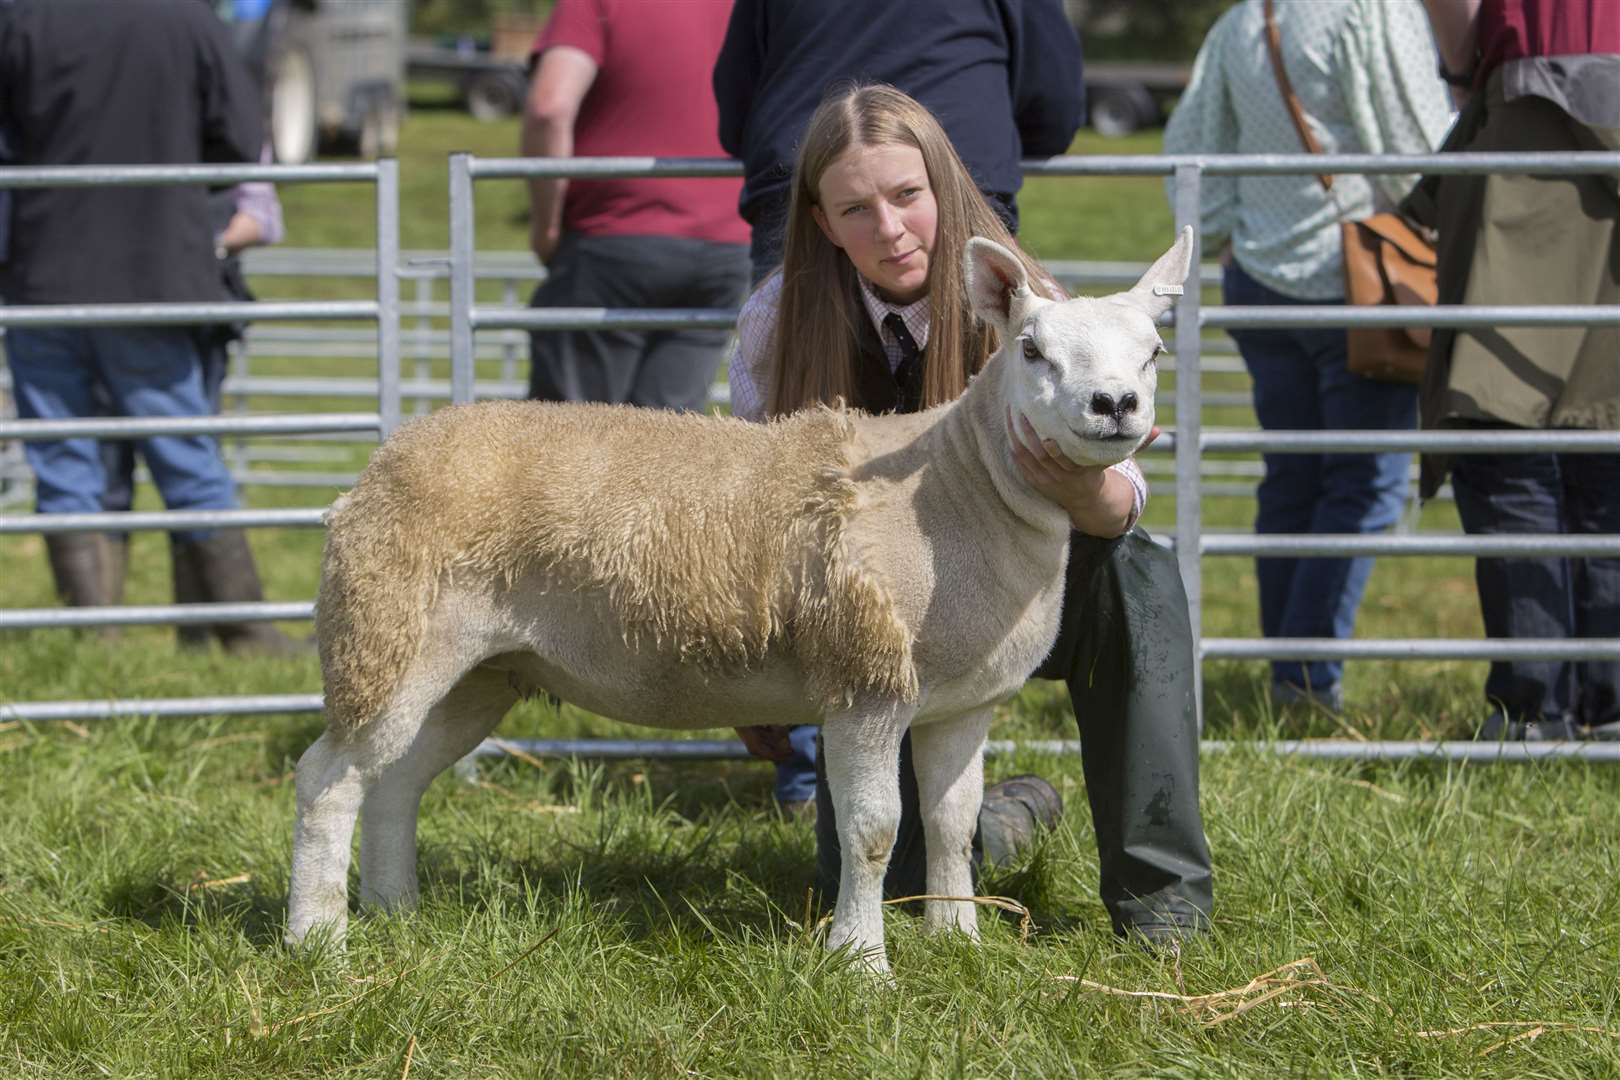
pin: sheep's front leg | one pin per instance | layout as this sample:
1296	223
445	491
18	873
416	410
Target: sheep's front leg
862	750
949	759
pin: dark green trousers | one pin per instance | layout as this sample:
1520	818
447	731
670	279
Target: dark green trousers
1125	648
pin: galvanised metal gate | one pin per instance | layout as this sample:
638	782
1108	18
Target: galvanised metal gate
384	311
1188	441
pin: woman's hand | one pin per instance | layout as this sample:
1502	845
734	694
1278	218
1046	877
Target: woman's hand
1097	499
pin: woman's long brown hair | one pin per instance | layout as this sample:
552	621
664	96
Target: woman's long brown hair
815	348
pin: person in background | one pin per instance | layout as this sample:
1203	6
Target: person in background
869	307
1536	76
244	215
128	82
1003	78
1364	74
614	78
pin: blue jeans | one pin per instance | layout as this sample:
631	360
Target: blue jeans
146	372
1546	598
796	777
1301	383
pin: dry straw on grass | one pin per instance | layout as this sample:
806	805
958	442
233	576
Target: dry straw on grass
1531	1030
1223	1005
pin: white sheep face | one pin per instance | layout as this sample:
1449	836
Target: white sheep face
1084	371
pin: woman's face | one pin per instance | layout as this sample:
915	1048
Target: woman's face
875	203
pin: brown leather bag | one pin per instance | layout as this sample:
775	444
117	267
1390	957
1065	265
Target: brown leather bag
1386	261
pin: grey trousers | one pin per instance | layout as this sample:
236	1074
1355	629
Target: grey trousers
669	369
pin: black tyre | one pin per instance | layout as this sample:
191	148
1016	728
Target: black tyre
494	95
1117	111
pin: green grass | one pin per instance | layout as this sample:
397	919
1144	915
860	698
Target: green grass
649	919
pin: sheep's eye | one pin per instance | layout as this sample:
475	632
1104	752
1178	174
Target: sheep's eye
1030	351
1158	351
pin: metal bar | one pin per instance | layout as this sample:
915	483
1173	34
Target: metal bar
1410	649
600	168
155	614
1335	749
243	705
1578	163
1450	315
165	520
387	268
1189	421
124	427
1405	750
183	314
494	318
39	176
1331	545
462	360
1486	441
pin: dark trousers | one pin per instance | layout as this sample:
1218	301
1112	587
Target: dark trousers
670	369
1302	383
1546	598
1125	649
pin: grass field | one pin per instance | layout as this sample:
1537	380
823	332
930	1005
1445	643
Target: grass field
648	919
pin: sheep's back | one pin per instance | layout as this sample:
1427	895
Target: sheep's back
710	538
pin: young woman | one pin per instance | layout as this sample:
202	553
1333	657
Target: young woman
869	308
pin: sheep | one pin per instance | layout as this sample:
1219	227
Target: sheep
872	574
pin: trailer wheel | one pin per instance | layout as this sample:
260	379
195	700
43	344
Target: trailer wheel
292	107
1119	110
493	95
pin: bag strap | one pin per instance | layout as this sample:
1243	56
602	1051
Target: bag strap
1295	111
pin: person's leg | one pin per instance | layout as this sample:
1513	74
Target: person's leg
678	366
1505	494
53	373
118	494
157	372
581	365
1125	648
1285	397
1590	506
796	777
53	378
1357	493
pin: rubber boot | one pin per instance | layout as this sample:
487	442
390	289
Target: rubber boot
1125	648
117	565
80	567
188	589
224	569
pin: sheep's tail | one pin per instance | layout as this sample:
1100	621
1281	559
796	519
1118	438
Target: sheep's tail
369	617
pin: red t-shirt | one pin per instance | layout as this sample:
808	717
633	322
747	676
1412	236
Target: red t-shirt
1514	29
652	97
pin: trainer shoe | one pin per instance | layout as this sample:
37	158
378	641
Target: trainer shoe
1498	728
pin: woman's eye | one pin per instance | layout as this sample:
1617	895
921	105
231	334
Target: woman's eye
1030	351
852	210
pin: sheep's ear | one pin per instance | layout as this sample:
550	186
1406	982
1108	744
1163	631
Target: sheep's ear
995	281
1164	281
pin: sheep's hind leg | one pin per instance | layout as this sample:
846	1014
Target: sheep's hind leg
330	788
863	776
470	711
949	759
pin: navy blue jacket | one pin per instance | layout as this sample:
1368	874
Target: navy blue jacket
1002	76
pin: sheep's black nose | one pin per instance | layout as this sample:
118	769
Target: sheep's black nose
1105	405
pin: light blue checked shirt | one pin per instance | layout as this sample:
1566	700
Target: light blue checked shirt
1365	74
